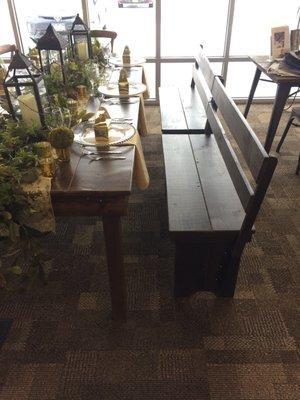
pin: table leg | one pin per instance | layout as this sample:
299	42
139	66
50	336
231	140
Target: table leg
252	91
114	254
282	95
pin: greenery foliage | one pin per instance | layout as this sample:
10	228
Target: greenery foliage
18	164
22	260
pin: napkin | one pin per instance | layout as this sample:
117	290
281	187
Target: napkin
140	172
101	126
126	55
123	82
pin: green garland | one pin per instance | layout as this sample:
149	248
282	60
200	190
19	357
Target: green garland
18	243
77	73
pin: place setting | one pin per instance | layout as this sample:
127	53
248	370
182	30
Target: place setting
126	60
122	89
101	131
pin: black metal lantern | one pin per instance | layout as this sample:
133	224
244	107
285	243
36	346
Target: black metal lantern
52	48
80	40
25	90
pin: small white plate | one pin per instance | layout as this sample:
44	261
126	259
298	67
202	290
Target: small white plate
112	90
134	62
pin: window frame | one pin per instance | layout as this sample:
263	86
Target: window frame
158	60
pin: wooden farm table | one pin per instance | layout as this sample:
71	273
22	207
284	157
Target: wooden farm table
284	85
101	189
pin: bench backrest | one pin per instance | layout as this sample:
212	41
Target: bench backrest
214	96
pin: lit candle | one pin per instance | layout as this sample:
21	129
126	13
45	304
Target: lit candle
29	109
82	51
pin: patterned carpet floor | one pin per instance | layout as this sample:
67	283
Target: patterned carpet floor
58	342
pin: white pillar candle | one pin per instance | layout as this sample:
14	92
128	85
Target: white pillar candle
29	109
82	51
55	71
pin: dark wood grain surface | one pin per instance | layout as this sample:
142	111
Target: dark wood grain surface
210	200
181	110
249	144
202	200
237	174
186	204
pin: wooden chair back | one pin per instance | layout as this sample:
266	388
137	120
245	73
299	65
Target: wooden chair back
7	48
214	96
105	34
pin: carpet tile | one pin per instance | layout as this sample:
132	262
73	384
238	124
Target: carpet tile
58	341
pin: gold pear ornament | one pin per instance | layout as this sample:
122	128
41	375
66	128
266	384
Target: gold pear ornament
123	82
126	55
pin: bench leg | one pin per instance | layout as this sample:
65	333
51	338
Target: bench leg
196	267
228	278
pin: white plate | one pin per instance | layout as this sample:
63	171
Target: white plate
134	62
112	90
84	134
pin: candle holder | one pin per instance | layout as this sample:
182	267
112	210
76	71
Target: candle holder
46	159
80	40
52	49
25	91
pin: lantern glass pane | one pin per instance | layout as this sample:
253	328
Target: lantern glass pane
42	92
81	47
14	100
79	27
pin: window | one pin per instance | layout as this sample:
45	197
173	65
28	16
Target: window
251	35
37	15
129	23
180	74
6	31
239	81
180	28
186	24
253	21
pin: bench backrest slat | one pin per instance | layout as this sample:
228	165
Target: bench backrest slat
202	87
236	172
250	147
260	164
203	64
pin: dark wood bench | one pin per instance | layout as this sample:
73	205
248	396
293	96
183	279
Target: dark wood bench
211	204
181	110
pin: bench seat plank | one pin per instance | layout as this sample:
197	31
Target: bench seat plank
181	110
202	200
172	117
225	210
186	205
194	111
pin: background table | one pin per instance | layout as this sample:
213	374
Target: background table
284	85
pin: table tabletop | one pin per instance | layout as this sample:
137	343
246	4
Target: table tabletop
263	63
80	179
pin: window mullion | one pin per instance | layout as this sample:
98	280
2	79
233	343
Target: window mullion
15	24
